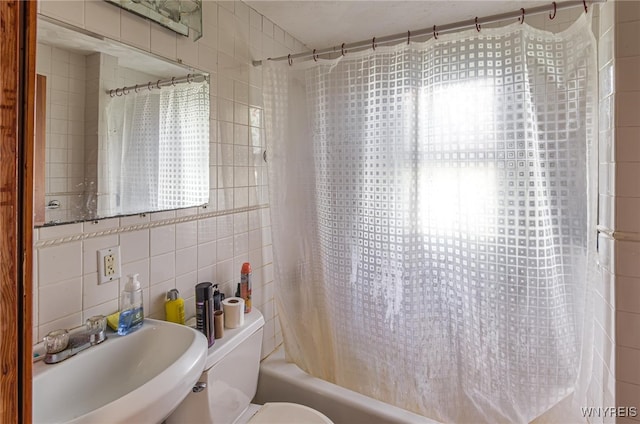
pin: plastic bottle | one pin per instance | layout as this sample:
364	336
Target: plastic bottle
131	311
174	307
245	286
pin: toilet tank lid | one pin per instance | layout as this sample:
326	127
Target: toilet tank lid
253	321
288	413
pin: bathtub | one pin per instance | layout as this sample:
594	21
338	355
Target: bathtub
280	381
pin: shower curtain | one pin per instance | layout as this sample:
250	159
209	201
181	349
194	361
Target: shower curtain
433	212
156	152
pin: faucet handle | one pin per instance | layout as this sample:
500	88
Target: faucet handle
56	341
96	325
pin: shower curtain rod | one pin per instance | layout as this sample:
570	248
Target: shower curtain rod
438	29
157	84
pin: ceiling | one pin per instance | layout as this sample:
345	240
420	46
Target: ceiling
321	24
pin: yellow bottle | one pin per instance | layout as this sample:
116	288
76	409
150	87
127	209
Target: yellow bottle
174	307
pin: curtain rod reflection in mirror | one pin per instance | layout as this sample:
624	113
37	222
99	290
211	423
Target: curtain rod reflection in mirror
189	78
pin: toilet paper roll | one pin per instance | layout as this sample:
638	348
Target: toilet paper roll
233	308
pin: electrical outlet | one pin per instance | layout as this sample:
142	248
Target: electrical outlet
108	264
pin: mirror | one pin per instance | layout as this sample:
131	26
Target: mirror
118	131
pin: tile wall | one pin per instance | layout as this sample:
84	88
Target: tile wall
65	99
178	248
625	358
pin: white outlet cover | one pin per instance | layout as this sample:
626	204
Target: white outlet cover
102	276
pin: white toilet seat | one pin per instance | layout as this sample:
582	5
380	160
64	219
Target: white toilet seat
288	413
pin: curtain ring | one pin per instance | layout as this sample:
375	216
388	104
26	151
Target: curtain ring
136	88
342	49
373	44
173	81
521	19
158	84
125	91
111	93
435	33
315	56
554	12
477	25
586	9
118	94
408	37
189	79
289	59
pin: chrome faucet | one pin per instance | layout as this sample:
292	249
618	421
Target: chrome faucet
62	344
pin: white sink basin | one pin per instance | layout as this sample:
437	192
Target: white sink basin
138	378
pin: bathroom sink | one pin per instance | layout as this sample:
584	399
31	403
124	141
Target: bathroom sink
138	378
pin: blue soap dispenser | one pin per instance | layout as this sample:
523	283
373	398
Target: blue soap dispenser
131	312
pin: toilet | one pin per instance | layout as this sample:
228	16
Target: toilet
225	389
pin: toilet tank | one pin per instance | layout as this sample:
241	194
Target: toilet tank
230	375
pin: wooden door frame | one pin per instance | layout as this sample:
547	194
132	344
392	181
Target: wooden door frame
17	94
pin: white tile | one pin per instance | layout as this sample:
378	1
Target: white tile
135	31
162	268
240	197
627	106
627	218
627	144
158	296
627	294
627	36
102	18
186	260
627	258
163	239
207	274
94	294
105	309
206	230
90	248
59	263
207	254
186	234
628	329
628	364
255	19
134	246
141	268
627	71
186	284
59	300
240	244
69	11
163	42
207	58
187	49
627	395
224	272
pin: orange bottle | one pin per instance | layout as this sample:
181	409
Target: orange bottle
245	286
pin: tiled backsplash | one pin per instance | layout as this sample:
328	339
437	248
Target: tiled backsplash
177	249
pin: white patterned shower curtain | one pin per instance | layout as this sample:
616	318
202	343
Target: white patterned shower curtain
156	153
433	211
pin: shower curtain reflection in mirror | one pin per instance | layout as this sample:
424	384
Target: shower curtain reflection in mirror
155	155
